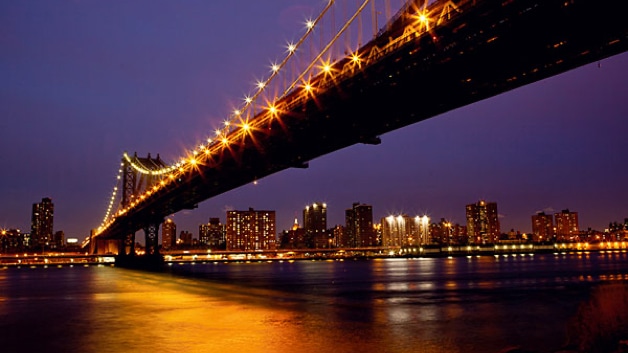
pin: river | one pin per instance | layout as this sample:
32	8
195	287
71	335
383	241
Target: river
464	304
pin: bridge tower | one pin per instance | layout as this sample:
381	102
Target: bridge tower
137	177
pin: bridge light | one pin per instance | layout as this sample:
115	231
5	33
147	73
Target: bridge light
246	127
192	161
355	58
227	122
272	109
291	48
309	24
236	112
423	20
217	132
225	141
275	67
308	87
260	84
248	100
209	140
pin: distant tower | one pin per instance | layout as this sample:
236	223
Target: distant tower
212	234
293	238
482	222
566	225
315	225
168	235
542	227
42	220
295	225
359	225
251	230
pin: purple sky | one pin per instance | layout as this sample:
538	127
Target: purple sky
83	81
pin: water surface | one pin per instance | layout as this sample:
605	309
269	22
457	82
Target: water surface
476	304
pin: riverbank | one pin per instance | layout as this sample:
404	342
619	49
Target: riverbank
203	255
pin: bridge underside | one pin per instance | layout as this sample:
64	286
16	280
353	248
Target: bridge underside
490	48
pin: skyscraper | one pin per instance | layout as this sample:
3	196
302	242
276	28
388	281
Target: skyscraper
359	225
42	223
482	222
542	227
251	230
168	235
212	234
566	225
315	225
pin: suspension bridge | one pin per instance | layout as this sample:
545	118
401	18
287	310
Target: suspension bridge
351	78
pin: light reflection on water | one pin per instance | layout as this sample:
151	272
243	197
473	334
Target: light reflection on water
479	304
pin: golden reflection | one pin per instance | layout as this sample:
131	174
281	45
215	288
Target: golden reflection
143	309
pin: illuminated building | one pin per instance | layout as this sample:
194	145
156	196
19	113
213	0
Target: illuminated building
482	222
315	225
212	234
405	231
42	224
12	240
566	225
168	235
445	232
359	226
251	230
339	236
542	227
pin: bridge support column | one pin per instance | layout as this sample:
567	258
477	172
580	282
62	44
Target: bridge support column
151	233
128	246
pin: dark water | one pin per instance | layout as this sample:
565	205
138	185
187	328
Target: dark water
478	304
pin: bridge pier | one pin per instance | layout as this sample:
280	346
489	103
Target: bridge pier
151	260
128	246
151	234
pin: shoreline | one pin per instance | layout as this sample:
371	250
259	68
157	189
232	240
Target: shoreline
203	257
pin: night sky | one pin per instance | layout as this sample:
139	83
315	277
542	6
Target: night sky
83	81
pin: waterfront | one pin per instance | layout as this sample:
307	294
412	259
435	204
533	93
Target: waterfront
462	304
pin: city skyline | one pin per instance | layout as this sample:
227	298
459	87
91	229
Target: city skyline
377	219
75	94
